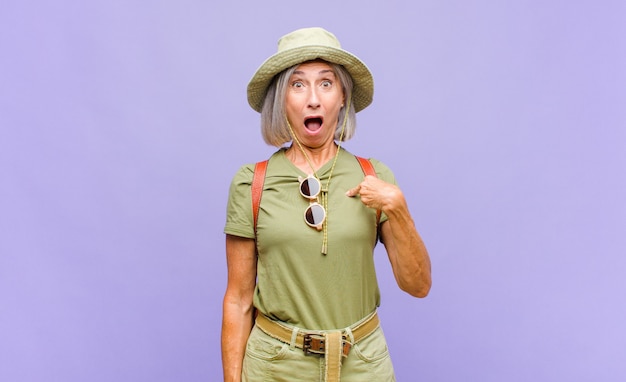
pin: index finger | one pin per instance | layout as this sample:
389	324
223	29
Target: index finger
354	191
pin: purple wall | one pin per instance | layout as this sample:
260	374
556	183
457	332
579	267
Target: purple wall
122	123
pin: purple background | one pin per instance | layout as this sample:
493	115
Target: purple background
122	123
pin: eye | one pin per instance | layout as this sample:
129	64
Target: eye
327	84
297	84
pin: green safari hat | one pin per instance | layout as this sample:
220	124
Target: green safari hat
305	45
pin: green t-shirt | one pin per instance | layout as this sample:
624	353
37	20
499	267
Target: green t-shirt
296	283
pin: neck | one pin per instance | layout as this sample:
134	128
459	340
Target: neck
317	156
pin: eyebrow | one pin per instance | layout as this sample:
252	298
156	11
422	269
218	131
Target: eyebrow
323	71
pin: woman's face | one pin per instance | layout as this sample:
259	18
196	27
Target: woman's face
313	101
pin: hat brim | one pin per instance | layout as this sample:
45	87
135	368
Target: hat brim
363	82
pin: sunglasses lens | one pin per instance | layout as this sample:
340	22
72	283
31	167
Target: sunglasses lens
310	187
314	215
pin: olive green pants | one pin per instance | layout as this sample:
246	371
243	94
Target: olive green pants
270	360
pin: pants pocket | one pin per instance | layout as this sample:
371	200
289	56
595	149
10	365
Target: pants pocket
270	360
369	360
264	347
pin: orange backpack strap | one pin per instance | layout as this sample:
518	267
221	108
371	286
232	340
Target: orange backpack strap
368	169
258	179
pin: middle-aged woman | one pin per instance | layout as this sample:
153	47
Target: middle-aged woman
302	294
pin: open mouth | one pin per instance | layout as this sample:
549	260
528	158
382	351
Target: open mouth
313	123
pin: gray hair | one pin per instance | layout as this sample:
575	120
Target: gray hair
273	116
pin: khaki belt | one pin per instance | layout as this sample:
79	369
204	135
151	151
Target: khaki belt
333	344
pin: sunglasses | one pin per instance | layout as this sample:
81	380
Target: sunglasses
315	214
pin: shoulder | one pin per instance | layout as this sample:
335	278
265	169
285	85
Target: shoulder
382	170
244	175
380	166
241	182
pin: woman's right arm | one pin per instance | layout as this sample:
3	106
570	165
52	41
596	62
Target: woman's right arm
237	318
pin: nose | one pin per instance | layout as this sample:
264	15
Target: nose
314	100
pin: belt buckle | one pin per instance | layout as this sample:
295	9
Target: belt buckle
314	344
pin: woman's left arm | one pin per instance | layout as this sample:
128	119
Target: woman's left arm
406	250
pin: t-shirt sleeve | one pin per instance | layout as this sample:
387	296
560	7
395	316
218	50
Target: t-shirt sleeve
239	221
383	172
